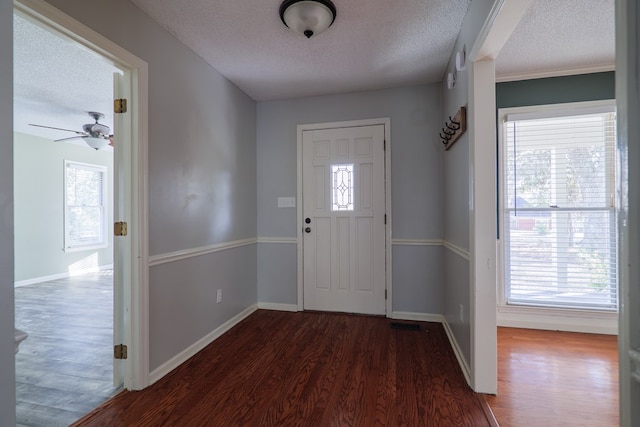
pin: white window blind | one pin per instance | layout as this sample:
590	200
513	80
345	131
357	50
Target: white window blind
85	216
559	224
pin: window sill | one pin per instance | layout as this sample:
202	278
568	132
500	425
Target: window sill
571	320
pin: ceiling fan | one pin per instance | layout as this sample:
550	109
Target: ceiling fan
96	135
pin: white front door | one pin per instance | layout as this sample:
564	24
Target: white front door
343	211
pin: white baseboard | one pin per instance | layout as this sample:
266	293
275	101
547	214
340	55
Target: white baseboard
190	351
550	319
60	276
457	351
418	317
277	306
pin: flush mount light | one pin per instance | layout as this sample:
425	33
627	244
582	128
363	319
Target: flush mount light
308	17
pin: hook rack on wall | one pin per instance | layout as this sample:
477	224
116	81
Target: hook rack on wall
454	128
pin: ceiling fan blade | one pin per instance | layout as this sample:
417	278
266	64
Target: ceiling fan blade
70	138
51	127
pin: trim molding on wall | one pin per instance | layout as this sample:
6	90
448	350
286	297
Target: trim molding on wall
418	317
464	253
457	351
395	242
555	73
277	240
194	252
556	319
194	348
277	306
61	275
417	242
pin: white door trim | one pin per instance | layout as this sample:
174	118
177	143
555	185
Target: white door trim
628	161
386	122
137	324
502	20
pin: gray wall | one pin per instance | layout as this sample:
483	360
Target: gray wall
202	177
416	167
456	189
556	90
7	370
39	206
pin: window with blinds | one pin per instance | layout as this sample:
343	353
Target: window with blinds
559	227
85	215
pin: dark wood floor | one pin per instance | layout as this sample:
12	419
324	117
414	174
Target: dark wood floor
308	369
64	367
550	378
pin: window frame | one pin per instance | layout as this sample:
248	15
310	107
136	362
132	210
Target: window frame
539	112
69	245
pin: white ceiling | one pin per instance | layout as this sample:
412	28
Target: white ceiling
565	36
56	82
372	44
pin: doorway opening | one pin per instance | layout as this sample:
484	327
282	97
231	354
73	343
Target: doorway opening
90	165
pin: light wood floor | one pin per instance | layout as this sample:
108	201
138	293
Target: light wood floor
550	378
64	367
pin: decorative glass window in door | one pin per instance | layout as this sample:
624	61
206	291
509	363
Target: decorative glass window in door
342	187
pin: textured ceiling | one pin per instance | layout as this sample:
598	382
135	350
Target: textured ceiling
56	82
561	35
372	43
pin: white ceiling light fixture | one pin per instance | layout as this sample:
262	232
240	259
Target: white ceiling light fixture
96	143
308	17
96	135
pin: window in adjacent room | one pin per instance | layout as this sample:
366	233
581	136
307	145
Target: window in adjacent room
84	206
558	206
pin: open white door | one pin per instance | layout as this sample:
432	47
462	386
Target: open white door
122	213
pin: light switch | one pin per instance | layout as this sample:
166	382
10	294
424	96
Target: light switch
286	202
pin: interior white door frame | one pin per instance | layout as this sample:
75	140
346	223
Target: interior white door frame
503	19
628	101
386	122
136	323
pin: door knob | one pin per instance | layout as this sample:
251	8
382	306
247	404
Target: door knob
307	220
307	230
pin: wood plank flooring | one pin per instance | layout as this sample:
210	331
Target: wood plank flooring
308	369
64	367
550	378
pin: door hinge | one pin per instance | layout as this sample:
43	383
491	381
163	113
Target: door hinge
120	351
384	145
385	219
385	294
120	228
120	105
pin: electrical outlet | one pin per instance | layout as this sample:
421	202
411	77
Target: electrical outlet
461	313
219	296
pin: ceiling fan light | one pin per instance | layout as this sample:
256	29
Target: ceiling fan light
96	143
308	17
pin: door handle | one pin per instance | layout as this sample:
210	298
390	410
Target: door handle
307	230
